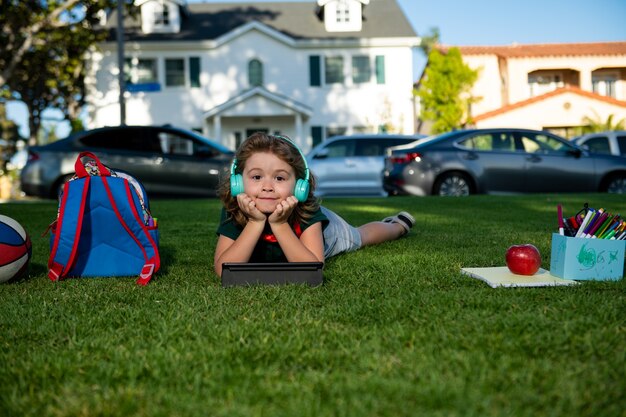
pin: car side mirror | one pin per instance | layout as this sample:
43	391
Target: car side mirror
576	153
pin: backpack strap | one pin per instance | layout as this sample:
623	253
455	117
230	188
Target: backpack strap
67	237
135	228
79	167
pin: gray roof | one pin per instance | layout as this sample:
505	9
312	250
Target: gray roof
299	20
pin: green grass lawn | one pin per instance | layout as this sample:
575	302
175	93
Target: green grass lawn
395	330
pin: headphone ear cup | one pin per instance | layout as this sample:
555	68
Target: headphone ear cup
236	184
301	191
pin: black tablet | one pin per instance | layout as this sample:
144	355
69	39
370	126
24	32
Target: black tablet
310	273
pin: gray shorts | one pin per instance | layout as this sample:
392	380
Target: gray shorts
339	236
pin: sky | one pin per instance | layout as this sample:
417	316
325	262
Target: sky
486	22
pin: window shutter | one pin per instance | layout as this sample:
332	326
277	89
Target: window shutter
194	71
380	69
316	134
315	71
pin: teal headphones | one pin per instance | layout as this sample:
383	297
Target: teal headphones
300	191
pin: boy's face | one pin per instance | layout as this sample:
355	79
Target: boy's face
268	180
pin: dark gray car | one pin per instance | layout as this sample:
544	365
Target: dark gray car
499	161
167	160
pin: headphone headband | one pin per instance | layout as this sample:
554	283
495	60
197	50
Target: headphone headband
306	166
233	166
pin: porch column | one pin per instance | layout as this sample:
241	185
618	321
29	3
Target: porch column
217	129
299	133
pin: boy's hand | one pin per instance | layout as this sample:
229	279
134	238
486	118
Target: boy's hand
283	210
248	207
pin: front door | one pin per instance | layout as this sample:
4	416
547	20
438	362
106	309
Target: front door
250	132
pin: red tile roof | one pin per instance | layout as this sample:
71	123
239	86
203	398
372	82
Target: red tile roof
558	91
538	50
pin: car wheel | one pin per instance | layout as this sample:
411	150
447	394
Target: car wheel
616	184
453	184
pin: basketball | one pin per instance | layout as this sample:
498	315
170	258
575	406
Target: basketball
15	249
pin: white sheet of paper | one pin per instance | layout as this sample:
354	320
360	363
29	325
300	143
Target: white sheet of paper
501	276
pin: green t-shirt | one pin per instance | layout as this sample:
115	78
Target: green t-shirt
266	249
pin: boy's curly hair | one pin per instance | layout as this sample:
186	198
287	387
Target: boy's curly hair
284	149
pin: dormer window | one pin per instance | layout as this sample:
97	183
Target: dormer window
342	15
160	16
343	12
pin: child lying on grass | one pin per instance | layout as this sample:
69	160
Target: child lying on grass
271	214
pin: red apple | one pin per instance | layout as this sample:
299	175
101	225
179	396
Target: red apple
523	259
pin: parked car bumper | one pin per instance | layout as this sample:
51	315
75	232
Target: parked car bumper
34	190
412	183
30	181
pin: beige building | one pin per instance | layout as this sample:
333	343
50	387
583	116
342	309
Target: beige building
548	86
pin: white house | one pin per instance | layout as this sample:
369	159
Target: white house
309	70
547	86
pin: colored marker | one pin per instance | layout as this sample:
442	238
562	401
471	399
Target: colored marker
572	225
596	225
591	223
597	216
583	225
604	226
609	229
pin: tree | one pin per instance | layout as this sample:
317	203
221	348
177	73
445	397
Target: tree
52	37
8	128
23	23
596	124
445	90
430	41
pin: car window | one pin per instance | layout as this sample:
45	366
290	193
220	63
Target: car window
477	142
598	144
498	141
396	142
173	144
386	143
368	148
621	144
121	139
101	140
340	149
538	143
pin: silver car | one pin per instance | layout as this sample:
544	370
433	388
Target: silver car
493	161
351	165
166	159
611	142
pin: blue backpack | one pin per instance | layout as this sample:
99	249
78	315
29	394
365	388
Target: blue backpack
104	227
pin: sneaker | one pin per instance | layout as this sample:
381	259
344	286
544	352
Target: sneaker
403	218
